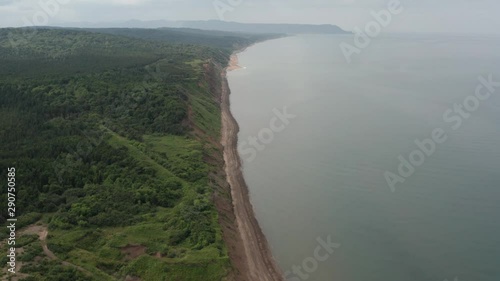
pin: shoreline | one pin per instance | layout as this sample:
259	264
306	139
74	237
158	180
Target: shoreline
258	259
233	63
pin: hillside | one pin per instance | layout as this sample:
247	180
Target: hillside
115	142
212	38
264	27
216	26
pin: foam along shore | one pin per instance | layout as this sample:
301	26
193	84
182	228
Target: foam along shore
259	264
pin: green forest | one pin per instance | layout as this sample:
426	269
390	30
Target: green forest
113	136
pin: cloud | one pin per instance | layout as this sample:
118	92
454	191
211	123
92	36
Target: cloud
420	16
127	2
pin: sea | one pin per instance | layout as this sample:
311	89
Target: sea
379	165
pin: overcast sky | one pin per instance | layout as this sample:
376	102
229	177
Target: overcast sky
457	16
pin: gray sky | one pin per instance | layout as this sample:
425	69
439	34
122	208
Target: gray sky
457	16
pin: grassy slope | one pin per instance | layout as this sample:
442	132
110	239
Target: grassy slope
61	78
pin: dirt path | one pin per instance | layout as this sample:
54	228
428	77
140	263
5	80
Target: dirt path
261	265
42	235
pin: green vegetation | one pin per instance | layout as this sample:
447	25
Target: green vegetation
210	38
101	131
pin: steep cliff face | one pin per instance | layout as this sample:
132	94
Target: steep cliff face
248	250
222	190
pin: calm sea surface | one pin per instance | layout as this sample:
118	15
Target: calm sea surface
322	174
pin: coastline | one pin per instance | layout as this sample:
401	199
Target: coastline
233	63
258	260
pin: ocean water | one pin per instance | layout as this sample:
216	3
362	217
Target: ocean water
318	176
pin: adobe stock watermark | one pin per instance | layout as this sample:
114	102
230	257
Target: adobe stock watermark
47	9
363	38
223	6
309	265
254	144
455	116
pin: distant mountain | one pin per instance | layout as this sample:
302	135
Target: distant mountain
219	25
264	27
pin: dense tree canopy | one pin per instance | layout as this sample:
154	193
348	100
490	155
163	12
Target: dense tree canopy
98	128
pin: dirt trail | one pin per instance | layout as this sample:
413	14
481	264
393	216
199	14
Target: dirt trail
42	235
261	265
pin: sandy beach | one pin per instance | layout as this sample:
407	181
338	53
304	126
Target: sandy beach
258	260
233	63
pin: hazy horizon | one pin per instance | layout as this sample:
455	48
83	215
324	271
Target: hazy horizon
447	16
